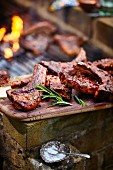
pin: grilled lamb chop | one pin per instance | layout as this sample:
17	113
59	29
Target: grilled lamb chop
34	43
81	57
105	64
57	67
69	44
54	83
4	77
28	98
52	66
19	82
84	77
41	27
105	91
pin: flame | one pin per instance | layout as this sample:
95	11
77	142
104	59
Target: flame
8	53
2	33
15	46
13	37
16	29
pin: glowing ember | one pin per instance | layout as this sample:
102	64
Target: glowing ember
8	53
15	47
2	32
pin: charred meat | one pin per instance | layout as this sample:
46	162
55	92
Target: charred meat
105	91
36	43
53	82
42	27
57	67
69	44
4	77
19	82
52	66
28	98
84	77
105	64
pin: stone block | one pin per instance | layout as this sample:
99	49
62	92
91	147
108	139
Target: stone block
102	34
80	20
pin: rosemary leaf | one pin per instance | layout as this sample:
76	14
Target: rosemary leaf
52	94
79	101
83	103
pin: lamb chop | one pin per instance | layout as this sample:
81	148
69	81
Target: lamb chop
105	64
28	98
105	91
34	43
54	83
84	77
69	44
18	82
4	77
41	27
57	67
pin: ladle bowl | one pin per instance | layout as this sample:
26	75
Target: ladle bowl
54	151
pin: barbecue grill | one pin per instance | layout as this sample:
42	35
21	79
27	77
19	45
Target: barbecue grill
71	125
22	62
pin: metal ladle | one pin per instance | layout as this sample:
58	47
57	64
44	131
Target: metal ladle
54	151
75	154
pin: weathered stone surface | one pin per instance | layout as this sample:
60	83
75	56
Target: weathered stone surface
80	20
103	33
89	132
16	129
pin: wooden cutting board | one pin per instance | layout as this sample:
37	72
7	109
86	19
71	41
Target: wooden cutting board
44	112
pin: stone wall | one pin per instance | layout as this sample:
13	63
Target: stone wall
89	132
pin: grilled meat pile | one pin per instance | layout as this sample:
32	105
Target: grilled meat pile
79	74
4	77
47	32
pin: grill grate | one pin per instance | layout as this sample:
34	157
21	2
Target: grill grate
23	64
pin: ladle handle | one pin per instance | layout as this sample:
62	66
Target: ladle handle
81	155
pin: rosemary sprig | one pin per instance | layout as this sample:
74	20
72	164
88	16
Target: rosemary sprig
52	94
79	101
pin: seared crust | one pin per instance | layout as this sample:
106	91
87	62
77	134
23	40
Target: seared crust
84	77
105	91
56	67
54	83
18	83
105	64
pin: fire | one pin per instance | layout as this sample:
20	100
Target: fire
13	37
16	46
16	30
2	32
8	53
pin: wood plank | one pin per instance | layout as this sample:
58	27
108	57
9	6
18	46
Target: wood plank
44	112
